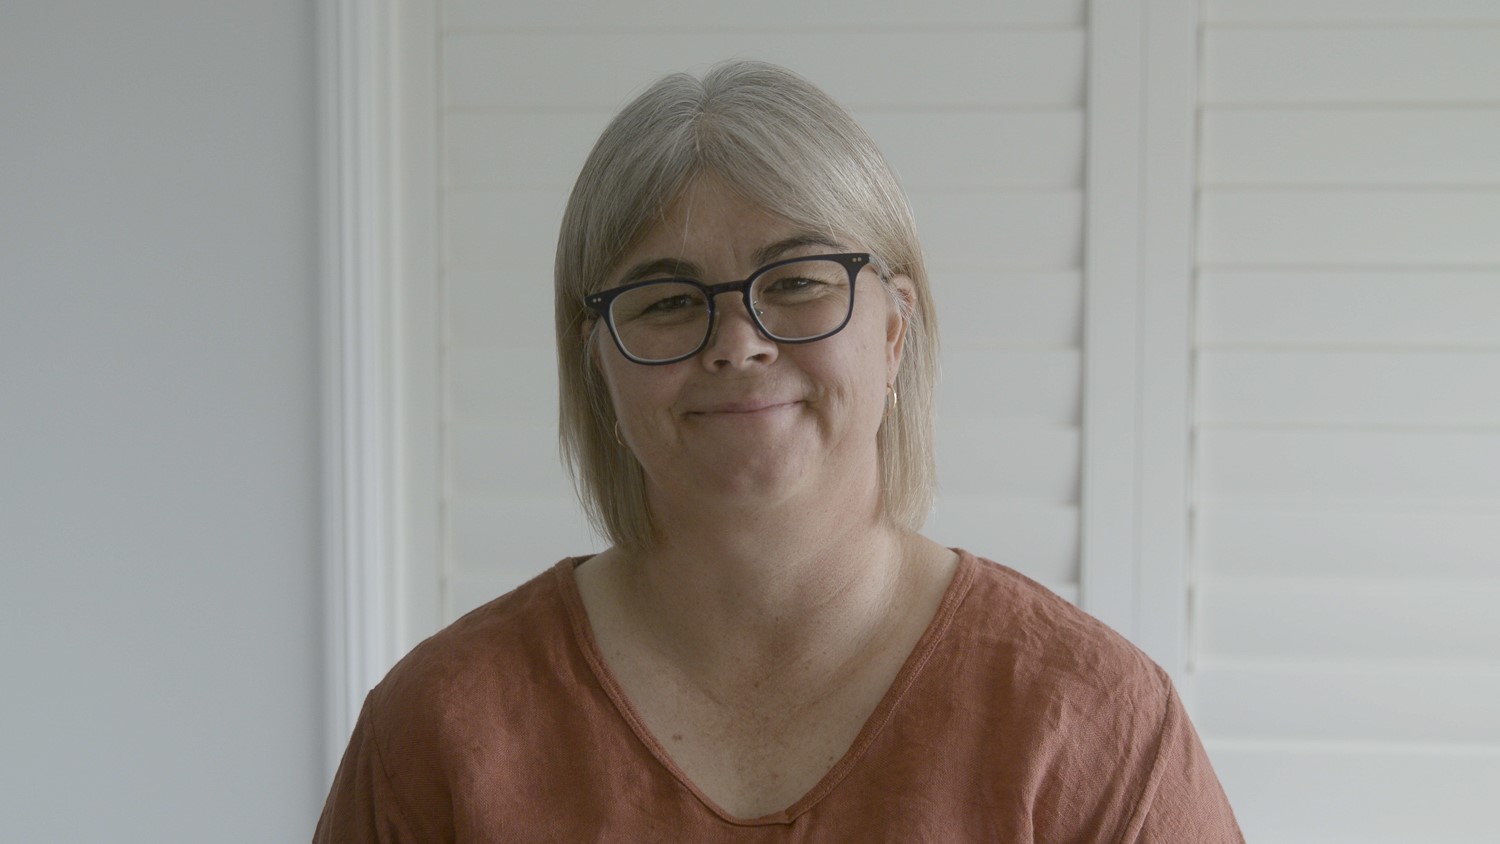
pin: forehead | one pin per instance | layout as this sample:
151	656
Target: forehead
709	210
711	224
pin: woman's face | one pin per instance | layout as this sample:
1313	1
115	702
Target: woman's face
747	418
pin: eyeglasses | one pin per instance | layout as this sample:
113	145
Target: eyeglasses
665	320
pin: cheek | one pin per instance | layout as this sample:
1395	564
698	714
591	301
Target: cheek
873	352
638	393
617	379
857	372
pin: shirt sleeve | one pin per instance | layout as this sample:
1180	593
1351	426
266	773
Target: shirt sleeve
363	805
1183	800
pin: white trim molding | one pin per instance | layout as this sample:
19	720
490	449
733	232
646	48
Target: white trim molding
1110	526
1169	169
356	185
417	324
1138	336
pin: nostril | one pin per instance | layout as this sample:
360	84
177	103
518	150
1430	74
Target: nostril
736	340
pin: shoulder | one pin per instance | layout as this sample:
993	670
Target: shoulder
1063	681
1089	719
491	679
483	646
462	679
455	691
1045	640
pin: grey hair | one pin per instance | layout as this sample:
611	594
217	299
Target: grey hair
786	146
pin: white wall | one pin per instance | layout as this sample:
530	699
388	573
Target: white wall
160	634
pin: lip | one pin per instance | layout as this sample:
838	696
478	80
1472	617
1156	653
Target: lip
741	408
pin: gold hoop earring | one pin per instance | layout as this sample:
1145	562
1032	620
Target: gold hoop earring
891	400
617	434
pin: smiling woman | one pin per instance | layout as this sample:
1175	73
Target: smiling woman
799	165
769	649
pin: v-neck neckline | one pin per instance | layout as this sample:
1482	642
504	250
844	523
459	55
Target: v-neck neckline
958	588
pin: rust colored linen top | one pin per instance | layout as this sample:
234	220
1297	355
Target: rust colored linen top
1016	718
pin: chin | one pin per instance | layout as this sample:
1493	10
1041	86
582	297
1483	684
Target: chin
758	475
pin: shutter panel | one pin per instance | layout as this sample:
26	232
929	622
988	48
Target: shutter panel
982	116
1347	471
1346	440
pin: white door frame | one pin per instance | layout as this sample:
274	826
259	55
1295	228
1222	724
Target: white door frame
380	326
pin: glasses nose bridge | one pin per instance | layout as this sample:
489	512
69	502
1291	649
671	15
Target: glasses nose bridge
742	287
717	290
714	291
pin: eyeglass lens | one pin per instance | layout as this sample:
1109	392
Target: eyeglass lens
800	300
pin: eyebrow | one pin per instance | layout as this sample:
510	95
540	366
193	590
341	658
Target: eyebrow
767	254
762	256
661	266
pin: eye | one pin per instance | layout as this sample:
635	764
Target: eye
802	285
792	284
802	281
669	304
659	303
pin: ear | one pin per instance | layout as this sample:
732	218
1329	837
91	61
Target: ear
896	324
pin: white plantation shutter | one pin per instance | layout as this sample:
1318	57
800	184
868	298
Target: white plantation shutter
1347	472
1219	295
979	107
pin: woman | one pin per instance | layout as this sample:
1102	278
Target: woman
769	650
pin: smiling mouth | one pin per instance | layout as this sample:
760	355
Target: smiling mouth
743	408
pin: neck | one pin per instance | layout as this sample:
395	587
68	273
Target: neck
753	594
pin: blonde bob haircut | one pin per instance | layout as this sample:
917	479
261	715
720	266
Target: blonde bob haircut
783	144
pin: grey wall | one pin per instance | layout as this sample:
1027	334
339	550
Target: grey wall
160	657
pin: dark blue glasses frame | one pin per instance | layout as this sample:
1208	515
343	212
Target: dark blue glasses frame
602	302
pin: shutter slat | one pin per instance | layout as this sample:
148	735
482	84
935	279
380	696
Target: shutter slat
1349	308
1318	465
995	231
1350	11
1349	388
530	148
1356	228
571	70
1354	544
1292	618
1350	702
1040	542
684	14
1379	795
997	309
973	150
1439	146
1013	386
1351	65
980	457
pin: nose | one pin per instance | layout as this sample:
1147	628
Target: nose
734	340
